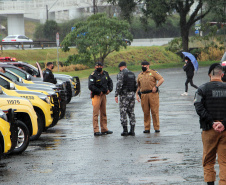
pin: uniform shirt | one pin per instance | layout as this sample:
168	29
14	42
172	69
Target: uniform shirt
48	76
147	80
210	103
100	82
120	79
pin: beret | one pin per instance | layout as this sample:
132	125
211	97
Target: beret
98	64
212	67
122	64
49	63
145	63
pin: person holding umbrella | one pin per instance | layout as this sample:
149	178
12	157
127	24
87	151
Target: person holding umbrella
189	67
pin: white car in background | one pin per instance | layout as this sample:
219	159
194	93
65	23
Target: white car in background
18	38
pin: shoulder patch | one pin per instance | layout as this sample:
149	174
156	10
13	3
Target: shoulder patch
47	72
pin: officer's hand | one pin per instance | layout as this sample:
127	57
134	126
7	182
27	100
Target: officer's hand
154	89
116	99
218	127
107	92
138	98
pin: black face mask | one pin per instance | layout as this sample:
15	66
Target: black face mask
99	69
53	67
144	69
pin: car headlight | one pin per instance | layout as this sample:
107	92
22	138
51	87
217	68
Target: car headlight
3	115
45	99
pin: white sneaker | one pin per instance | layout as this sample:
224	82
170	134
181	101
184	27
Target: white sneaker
184	94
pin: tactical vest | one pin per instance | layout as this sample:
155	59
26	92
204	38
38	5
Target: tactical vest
129	82
215	100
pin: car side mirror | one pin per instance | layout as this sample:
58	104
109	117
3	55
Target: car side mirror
12	86
28	78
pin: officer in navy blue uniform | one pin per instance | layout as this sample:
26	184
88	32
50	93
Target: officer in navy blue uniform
48	75
100	85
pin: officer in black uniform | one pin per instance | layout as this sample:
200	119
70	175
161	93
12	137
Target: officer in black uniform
48	75
210	105
100	85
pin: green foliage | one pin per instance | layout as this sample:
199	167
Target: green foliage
127	7
50	29
98	37
175	45
79	59
39	32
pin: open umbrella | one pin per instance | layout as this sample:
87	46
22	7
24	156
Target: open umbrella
193	60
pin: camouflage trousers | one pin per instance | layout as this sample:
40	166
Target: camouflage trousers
126	106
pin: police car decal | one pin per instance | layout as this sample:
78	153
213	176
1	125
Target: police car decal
13	101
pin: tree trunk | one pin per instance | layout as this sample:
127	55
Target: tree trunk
184	31
185	39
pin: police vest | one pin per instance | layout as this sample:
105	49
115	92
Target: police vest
129	82
215	100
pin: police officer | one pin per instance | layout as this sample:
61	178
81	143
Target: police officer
48	75
126	88
210	105
100	85
148	83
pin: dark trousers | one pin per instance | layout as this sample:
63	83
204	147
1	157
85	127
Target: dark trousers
189	80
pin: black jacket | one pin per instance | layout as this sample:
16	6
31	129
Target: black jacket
210	104
100	82
48	76
189	69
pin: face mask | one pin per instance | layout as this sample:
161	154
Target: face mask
52	67
144	69
99	69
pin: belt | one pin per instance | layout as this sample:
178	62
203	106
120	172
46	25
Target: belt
146	92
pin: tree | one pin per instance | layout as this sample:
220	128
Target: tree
160	9
127	8
98	36
50	29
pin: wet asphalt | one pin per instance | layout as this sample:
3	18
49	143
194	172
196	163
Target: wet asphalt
70	154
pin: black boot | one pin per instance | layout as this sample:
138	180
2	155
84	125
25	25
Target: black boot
210	183
132	133
125	131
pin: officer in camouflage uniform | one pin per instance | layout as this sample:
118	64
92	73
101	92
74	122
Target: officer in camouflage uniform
126	89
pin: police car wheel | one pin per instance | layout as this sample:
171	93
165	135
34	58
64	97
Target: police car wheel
23	138
40	128
0	151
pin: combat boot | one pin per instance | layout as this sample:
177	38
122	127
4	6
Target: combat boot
125	131
210	183
131	132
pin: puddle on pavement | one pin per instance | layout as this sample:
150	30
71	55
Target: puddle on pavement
162	158
149	142
2	165
154	159
47	146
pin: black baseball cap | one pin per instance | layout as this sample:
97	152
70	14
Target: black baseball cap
145	63
122	64
98	64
